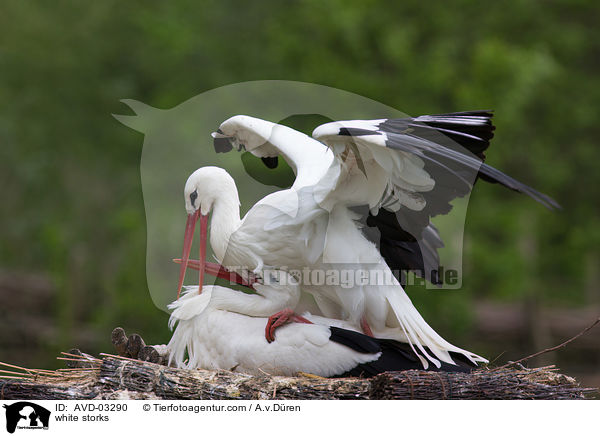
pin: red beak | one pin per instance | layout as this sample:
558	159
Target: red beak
216	270
203	230
188	237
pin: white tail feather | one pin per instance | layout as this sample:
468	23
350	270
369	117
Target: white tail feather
419	333
189	304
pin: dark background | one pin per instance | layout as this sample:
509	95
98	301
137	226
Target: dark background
72	252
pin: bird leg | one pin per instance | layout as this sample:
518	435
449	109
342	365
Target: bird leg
217	270
366	328
280	318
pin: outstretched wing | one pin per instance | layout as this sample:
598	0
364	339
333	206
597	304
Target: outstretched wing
308	158
311	160
428	161
449	148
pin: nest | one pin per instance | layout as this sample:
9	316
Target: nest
118	377
139	372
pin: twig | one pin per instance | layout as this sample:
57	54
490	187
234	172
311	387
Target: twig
41	370
27	372
16	373
14	366
16	378
70	359
264	372
78	369
547	350
114	356
81	357
496	358
46	373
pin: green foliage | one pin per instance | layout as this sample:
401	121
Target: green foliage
71	192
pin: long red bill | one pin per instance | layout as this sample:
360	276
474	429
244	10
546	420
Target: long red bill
216	270
203	230
188	237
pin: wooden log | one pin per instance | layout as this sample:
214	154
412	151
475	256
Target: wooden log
134	344
135	347
71	387
119	341
538	383
124	378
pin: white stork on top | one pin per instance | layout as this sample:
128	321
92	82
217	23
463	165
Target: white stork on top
387	166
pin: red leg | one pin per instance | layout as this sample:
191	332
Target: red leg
365	327
280	318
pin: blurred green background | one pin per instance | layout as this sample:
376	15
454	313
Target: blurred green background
72	252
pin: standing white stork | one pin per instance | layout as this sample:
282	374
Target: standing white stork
386	165
405	171
220	328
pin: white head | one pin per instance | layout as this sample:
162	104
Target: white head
204	187
203	190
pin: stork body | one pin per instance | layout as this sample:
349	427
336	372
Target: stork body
393	168
288	229
215	329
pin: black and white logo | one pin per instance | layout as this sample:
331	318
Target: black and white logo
26	415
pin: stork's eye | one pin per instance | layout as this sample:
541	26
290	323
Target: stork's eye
193	197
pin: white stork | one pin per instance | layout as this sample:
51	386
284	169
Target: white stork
386	165
220	328
246	243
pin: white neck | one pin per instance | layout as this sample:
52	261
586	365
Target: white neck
308	157
265	303
225	219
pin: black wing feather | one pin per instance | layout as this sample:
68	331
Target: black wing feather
401	250
355	340
452	147
472	130
395	356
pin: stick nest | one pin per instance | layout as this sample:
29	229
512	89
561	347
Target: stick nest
119	378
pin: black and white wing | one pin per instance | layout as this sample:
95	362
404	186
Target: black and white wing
427	162
449	148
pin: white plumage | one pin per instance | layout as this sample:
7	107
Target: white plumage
301	234
225	329
407	166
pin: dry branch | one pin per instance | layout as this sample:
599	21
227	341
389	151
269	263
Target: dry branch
562	345
115	377
138	373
